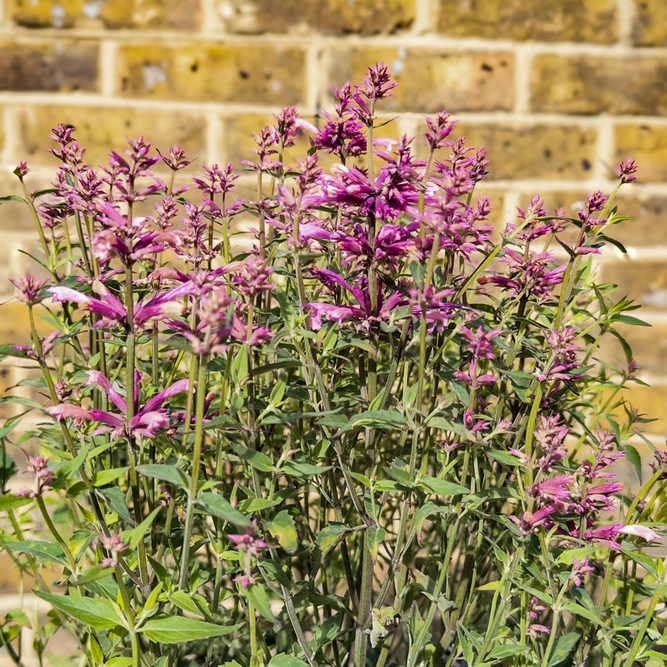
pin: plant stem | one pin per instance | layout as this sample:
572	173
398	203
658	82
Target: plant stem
196	463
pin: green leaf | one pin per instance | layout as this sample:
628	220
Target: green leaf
375	537
118	662
284	660
116	500
136	535
633	456
562	648
10	502
220	507
507	650
166	473
183	601
104	477
628	319
255	459
96	612
283	528
577	609
328	631
12	198
327	538
505	457
384	419
298	469
251	505
442	488
181	629
568	556
49	551
257	595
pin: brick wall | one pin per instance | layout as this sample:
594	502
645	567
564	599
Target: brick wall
558	90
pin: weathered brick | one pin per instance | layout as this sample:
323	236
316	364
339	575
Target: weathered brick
650	26
587	84
647	144
552	21
650	402
48	65
127	14
213	72
644	281
646	214
331	17
534	151
649	347
101	129
430	80
15	216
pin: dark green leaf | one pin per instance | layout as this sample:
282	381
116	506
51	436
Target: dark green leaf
507	650
633	456
166	473
98	613
218	506
298	469
562	648
50	551
181	629
284	660
255	459
116	499
442	488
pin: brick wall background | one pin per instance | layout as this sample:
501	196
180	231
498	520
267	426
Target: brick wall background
558	90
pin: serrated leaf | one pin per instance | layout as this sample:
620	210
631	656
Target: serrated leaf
505	457
562	648
166	473
384	419
49	551
507	650
578	610
283	528
257	595
220	507
96	612
442	488
284	660
327	538
255	459
298	469
181	629
10	502
633	456
104	477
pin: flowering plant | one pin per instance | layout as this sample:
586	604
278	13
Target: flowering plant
379	433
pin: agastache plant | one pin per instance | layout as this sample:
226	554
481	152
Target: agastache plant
373	431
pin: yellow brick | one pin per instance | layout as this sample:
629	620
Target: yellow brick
650	26
539	20
101	130
213	72
141	14
647	144
431	80
649	347
331	17
59	65
646	214
533	151
644	281
587	84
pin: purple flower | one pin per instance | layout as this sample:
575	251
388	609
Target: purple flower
440	128
28	289
38	465
176	159
248	541
553	488
148	421
113	311
550	435
579	569
531	520
626	170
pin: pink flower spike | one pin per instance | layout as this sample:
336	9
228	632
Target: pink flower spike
637	530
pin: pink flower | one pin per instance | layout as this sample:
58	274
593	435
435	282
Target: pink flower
638	530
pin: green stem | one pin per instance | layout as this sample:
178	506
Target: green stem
54	531
196	463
